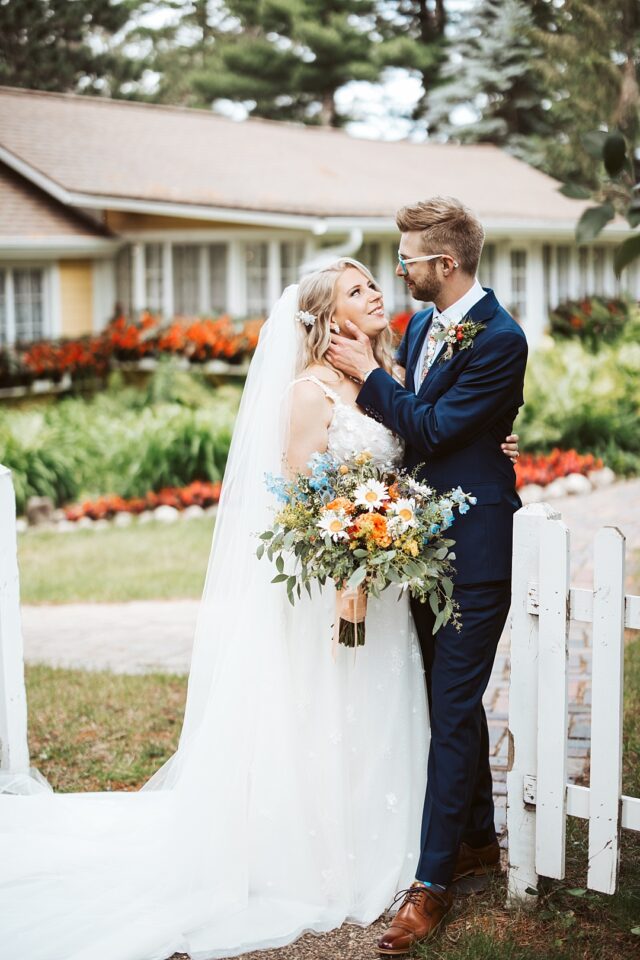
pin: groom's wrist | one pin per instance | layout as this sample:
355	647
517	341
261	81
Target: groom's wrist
370	370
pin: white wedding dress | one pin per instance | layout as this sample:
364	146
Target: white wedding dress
294	800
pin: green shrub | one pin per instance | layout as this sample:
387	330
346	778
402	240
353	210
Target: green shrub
595	321
583	400
124	441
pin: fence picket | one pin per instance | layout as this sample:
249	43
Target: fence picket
553	706
523	699
606	712
14	753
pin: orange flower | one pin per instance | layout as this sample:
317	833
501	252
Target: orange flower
341	503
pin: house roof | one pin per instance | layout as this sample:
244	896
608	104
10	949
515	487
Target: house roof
25	211
98	152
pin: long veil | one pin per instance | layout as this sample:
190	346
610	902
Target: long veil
292	802
122	876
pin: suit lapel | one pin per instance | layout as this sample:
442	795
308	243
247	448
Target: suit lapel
421	325
481	312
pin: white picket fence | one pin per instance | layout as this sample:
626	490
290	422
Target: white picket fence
539	799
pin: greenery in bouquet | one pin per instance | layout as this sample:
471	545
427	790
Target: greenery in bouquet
364	528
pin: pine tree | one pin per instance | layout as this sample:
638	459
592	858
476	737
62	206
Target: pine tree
287	58
490	73
67	46
591	66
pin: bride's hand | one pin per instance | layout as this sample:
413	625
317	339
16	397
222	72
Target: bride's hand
510	447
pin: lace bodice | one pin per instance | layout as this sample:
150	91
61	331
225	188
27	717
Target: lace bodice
352	431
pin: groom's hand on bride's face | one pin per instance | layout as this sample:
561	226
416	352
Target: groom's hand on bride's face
354	354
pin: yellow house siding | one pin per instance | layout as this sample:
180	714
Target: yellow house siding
76	297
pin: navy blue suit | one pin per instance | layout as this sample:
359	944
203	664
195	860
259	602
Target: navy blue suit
453	428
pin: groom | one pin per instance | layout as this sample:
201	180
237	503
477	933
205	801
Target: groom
453	412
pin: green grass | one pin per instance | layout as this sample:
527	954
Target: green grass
141	562
101	731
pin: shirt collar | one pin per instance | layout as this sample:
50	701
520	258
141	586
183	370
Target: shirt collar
459	309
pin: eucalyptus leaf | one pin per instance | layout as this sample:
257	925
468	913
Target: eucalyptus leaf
439	622
357	577
280	563
267	535
280	578
260	551
359	553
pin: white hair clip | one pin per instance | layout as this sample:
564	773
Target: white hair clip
307	318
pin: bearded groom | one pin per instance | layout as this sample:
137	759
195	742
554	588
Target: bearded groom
464	361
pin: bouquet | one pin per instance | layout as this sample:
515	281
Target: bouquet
364	528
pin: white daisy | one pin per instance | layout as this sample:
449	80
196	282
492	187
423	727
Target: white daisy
418	487
405	510
335	522
371	494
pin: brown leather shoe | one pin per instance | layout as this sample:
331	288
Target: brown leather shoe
476	861
423	910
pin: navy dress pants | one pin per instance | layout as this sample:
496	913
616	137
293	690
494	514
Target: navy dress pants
459	799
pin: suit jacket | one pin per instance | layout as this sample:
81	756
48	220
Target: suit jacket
453	428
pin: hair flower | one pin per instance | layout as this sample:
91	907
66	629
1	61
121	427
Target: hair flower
303	316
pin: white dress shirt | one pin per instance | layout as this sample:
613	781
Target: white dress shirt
452	315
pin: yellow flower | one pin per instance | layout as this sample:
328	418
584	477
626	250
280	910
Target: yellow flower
363	457
343	470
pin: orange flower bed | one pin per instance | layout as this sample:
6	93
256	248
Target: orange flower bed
201	493
544	468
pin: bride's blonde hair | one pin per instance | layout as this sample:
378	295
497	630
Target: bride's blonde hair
317	295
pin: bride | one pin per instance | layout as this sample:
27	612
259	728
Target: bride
293	801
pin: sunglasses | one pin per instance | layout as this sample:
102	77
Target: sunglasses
432	256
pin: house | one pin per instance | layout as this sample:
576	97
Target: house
112	205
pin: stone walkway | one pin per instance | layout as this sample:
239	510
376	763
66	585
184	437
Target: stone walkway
146	636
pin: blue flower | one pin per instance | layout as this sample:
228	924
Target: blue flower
464	508
435	528
277	486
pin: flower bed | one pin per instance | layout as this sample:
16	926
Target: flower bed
199	493
125	340
543	468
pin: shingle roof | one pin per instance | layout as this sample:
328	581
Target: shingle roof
136	151
25	211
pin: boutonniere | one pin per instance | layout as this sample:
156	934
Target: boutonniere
459	335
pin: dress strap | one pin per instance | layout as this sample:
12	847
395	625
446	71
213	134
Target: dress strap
323	386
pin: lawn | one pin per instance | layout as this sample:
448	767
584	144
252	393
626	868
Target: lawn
97	731
141	562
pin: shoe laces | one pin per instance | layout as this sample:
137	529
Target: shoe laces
411	895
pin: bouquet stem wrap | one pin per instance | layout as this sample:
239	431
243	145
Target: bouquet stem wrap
351	610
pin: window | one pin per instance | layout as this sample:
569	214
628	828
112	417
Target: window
257	279
186	279
583	272
153	276
487	266
22	304
519	283
124	281
562	263
598	270
218	277
291	259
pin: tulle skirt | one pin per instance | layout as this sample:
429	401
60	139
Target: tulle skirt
293	804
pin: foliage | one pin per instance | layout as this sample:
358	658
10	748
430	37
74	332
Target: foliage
585	401
589	67
116	443
491	71
68	46
544	468
595	321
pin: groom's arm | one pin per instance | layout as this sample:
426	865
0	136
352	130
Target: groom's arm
489	386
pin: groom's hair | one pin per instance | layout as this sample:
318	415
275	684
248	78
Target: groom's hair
447	226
